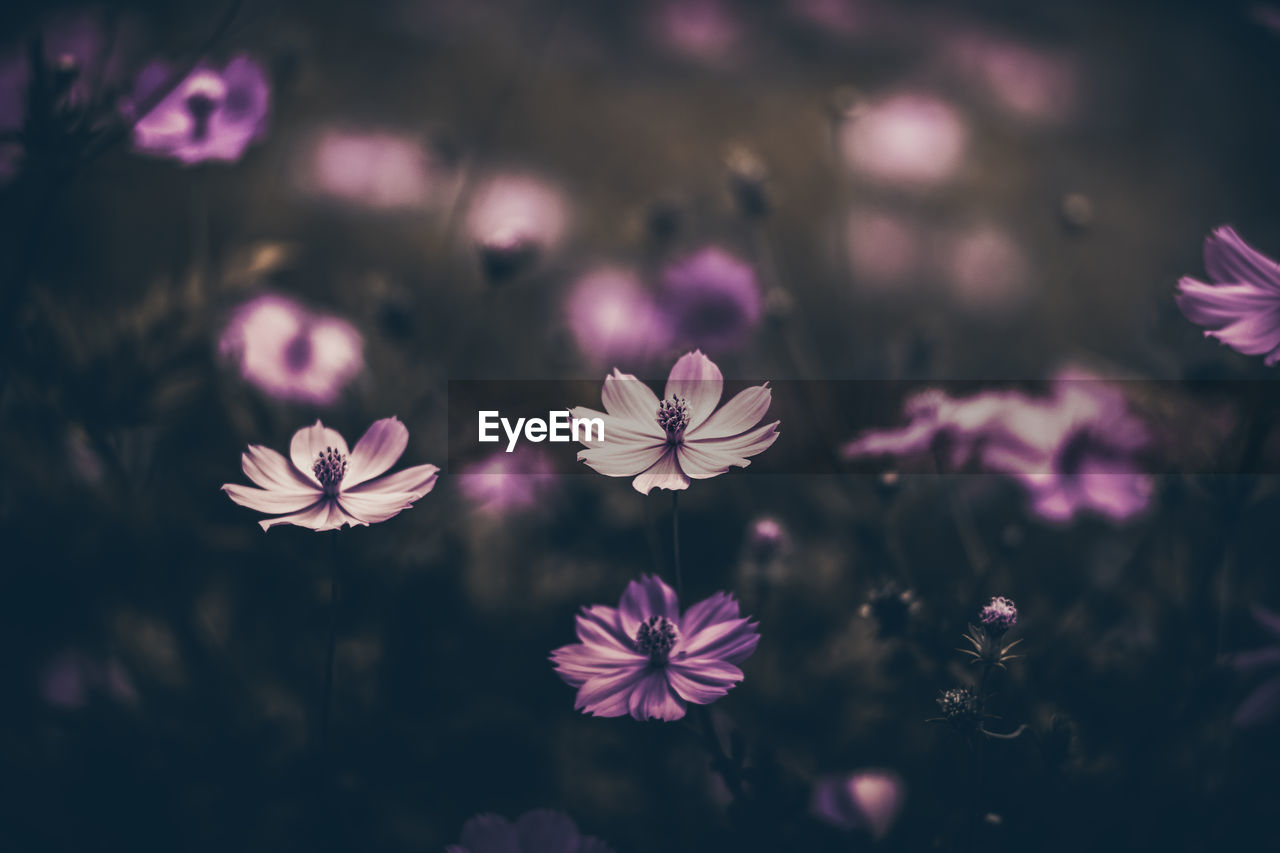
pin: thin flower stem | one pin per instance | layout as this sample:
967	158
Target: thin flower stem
327	698
675	543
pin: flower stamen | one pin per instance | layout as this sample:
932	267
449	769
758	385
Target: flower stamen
330	468
656	637
673	417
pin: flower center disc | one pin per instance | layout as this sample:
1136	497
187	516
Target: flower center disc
673	417
656	637
330	468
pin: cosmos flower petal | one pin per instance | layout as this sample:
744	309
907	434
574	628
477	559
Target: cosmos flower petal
581	661
665	474
647	597
325	515
543	829
1259	706
1215	305
602	625
270	470
702	680
271	501
489	833
309	442
373	507
1228	258
1255	334
627	398
617	430
623	460
654	699
705	458
915	437
1257	659
696	379
376	451
608	695
1268	620
732	641
718	608
417	481
735	417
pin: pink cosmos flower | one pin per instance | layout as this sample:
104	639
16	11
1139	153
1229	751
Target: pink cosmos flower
1073	451
1241	308
664	443
910	139
290	352
613	317
211	116
513	221
538	831
646	659
325	486
712	298
509	482
869	800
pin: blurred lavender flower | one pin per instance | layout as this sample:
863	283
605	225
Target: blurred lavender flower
1033	83
514	220
509	482
910	139
210	116
985	268
1241	308
869	800
712	299
883	248
1263	704
1072	452
613	318
291	353
538	831
767	538
376	170
704	30
327	486
646	659
665	443
998	616
69	679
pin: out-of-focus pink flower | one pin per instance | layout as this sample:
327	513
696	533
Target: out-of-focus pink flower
613	317
379	170
704	30
71	677
1034	84
538	831
290	352
712	299
1263	704
985	268
325	486
909	139
509	482
883	248
647	659
1241	307
1073	451
212	115
870	800
513	220
665	443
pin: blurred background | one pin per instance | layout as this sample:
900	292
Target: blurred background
427	191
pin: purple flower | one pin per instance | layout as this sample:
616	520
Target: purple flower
514	220
869	800
665	443
509	482
612	317
376	170
291	353
210	116
326	486
1241	308
910	139
1263	703
538	831
1074	451
999	616
712	299
648	660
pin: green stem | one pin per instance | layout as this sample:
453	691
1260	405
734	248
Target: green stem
675	543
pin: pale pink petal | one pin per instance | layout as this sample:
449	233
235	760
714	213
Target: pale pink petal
629	399
649	596
309	442
578	662
608	695
325	515
696	379
1256	334
616	430
374	507
653	699
623	460
702	680
1216	305
732	641
718	608
705	458
416	481
735	417
376	451
1228	258
271	501
602	625
271	470
665	474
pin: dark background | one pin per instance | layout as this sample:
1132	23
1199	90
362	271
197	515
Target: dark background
119	424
